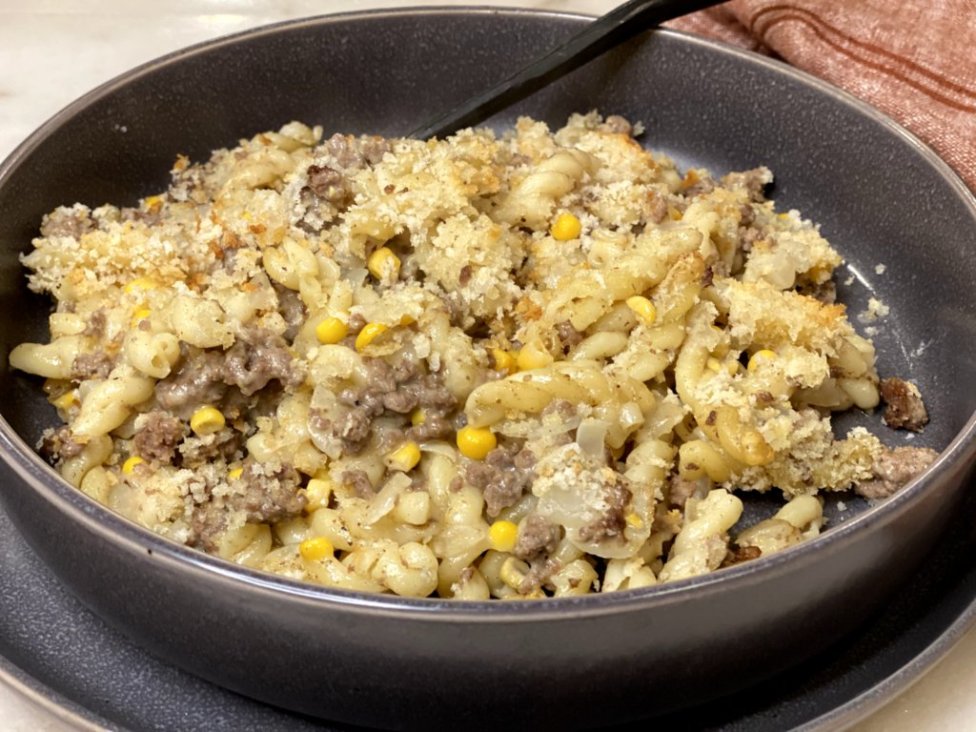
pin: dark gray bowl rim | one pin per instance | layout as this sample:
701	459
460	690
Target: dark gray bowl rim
128	536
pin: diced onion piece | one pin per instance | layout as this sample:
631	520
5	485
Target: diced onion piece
591	435
384	501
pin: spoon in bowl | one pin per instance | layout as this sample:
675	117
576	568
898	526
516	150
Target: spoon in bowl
607	31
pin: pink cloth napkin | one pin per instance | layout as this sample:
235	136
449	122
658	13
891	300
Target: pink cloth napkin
914	60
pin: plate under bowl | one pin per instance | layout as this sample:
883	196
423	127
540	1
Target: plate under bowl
881	196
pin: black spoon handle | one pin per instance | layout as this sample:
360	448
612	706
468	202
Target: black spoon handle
601	35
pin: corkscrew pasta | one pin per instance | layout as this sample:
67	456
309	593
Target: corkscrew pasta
541	363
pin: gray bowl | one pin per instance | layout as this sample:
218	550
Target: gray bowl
882	197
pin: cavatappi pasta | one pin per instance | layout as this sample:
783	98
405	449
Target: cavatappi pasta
536	364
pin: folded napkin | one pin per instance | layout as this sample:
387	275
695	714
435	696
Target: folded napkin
915	60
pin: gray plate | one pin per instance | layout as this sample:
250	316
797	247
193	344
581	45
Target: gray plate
379	660
63	656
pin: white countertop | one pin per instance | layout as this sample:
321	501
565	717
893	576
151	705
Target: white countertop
51	52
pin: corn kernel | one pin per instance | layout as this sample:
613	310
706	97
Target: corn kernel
404	458
207	420
502	535
713	364
331	330
316	548
383	264
235	473
504	360
153	202
317	493
130	464
643	309
369	333
634	521
140	314
66	400
759	357
476	442
533	356
566	227
140	283
675	214
418	417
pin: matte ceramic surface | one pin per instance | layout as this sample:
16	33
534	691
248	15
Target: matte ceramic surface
881	197
101	679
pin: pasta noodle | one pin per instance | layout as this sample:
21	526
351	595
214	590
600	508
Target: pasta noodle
536	364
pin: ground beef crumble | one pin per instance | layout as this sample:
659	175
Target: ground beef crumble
97	365
536	536
397	389
159	437
259	357
270	492
612	521
95	327
57	445
503	476
904	409
681	489
540	570
739	554
569	337
894	469
198	379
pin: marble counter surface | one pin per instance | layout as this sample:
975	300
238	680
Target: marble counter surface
51	52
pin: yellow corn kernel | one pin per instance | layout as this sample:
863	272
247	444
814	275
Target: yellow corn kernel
140	283
369	333
533	356
783	216
643	309
140	314
331	330
418	417
566	227
316	548
235	473
317	493
674	214
634	521
404	458
502	535
383	264
759	357
504	360
66	400
130	464
153	201
207	420
476	442
713	364
407	320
